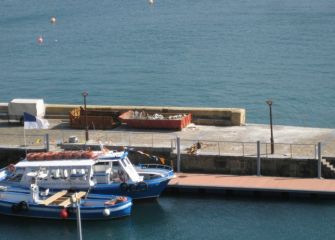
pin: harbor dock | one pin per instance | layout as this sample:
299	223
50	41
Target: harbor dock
257	185
225	162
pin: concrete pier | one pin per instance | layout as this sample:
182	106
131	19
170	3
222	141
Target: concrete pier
225	149
200	115
157	140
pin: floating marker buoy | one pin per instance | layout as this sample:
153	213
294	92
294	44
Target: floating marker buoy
53	20
106	212
39	39
151	2
63	214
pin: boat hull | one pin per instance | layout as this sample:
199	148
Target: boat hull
92	208
153	189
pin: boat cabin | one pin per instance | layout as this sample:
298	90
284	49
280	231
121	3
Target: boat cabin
64	174
113	167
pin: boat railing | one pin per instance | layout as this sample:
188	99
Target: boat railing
157	166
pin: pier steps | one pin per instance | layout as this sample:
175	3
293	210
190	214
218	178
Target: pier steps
328	165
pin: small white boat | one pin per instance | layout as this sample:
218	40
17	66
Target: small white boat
62	204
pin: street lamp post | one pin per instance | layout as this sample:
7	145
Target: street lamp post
269	102
85	94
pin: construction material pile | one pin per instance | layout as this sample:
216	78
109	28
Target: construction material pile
156	116
141	119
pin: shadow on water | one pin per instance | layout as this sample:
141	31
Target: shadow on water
144	214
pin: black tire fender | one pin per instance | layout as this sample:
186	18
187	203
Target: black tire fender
123	187
142	186
132	188
23	206
15	208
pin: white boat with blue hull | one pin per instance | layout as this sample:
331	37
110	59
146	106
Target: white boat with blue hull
62	204
102	172
139	182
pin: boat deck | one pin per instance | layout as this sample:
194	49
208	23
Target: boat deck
231	183
63	198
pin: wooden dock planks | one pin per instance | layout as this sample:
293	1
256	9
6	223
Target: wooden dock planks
253	183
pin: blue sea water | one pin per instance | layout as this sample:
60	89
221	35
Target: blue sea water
213	53
194	218
229	53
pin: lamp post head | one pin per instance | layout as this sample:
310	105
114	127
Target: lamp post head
269	102
84	94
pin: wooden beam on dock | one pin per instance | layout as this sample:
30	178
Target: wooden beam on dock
72	199
54	197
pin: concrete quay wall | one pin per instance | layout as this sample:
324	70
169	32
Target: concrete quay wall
232	165
242	165
201	116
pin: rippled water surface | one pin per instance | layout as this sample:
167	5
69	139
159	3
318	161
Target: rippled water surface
230	53
174	217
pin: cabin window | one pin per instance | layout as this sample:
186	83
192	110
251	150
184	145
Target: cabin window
115	164
55	173
16	177
101	166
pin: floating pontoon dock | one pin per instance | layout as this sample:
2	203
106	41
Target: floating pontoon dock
230	184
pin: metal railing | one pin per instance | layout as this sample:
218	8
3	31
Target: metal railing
234	148
140	139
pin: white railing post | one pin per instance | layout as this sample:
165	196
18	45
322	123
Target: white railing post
319	160
46	142
178	154
266	150
258	158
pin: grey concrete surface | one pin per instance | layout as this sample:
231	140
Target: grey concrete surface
12	134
